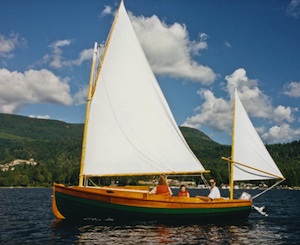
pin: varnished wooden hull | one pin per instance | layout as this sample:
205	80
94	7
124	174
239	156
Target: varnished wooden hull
118	203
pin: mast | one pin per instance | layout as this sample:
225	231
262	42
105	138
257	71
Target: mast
88	106
231	180
92	87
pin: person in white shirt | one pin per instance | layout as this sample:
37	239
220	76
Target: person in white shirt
214	192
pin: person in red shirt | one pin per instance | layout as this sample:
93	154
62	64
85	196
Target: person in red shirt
183	192
162	188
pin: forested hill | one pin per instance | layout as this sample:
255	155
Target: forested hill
25	128
56	147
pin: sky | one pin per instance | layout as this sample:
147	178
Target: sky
199	51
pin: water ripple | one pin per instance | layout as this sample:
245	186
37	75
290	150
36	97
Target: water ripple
26	218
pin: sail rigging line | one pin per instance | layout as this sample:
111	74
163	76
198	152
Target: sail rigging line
93	183
256	169
259	194
204	180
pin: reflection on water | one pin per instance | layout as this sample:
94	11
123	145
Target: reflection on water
26	218
110	232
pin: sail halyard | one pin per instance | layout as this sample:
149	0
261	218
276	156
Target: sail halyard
88	104
131	128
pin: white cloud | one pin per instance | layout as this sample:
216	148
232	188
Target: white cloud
292	89
9	44
260	130
81	96
55	59
170	51
168	48
212	113
40	116
216	113
282	113
196	47
86	54
293	8
107	11
283	134
249	93
31	87
227	44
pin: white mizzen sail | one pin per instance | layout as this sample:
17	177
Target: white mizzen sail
131	129
250	150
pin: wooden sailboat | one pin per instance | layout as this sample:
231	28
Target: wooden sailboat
130	131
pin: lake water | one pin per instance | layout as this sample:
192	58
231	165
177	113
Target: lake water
26	218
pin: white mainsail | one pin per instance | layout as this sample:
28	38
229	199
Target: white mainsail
131	129
250	150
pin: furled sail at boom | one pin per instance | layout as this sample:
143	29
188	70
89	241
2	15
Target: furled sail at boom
131	130
249	150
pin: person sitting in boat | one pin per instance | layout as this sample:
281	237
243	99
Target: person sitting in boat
183	192
162	188
214	191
